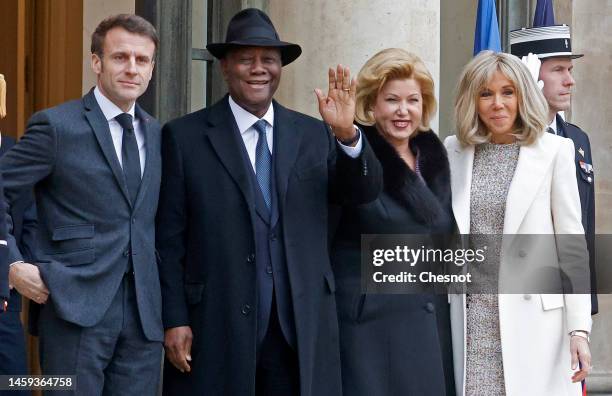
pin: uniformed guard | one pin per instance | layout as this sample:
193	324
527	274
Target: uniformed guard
4	286
547	52
13	358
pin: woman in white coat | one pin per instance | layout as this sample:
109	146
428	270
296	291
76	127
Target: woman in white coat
510	177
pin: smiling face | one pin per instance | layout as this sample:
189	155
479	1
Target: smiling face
558	82
398	110
252	75
498	107
126	66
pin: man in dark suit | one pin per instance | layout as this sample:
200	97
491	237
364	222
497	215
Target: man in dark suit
12	341
95	164
552	46
248	291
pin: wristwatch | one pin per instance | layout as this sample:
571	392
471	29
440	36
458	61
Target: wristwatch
349	142
581	333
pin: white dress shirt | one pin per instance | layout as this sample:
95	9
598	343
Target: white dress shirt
249	134
553	125
110	111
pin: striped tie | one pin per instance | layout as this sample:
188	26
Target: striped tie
263	161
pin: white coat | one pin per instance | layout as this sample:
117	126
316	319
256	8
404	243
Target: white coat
542	199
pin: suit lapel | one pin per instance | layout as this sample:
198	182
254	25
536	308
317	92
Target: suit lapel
560	126
221	131
533	163
99	125
145	121
462	161
287	139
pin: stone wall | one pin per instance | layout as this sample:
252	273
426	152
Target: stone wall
350	32
592	111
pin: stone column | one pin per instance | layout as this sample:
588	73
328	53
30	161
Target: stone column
93	13
592	111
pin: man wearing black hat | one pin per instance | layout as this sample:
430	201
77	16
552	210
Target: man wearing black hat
552	66
248	291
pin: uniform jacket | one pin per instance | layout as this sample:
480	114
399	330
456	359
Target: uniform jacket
4	264
585	176
25	224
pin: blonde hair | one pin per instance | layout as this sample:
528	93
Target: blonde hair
532	107
386	65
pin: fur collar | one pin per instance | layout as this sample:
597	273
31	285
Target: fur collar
429	201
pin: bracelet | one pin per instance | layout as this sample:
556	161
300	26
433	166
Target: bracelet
581	333
352	140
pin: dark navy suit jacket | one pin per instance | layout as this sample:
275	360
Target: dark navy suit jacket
88	227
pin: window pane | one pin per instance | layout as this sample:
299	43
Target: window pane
199	28
198	84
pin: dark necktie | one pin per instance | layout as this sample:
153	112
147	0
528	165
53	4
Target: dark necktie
550	130
263	161
130	157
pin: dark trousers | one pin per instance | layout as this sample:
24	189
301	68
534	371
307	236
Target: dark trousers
112	357
277	364
12	349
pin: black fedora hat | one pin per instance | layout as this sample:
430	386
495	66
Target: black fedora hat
253	28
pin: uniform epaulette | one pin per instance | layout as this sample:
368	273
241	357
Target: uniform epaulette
574	125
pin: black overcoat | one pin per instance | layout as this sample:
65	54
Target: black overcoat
205	236
395	344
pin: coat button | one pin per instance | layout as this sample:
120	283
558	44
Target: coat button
269	269
429	307
126	253
251	258
522	253
527	297
246	309
133	220
273	237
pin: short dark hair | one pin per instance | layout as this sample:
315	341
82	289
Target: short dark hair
130	22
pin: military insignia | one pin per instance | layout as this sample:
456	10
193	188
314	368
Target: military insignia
566	44
581	151
587	168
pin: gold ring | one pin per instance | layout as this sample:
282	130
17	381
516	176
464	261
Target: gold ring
346	89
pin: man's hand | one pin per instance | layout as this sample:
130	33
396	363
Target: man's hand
580	351
338	107
26	279
533	63
177	342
